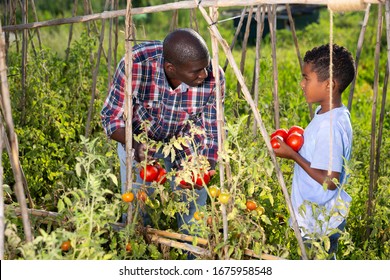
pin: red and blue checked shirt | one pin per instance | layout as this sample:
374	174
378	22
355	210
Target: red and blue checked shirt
167	111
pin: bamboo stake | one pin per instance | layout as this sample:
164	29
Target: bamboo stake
36	19
295	39
372	185
184	246
168	7
95	75
220	124
380	130
116	40
244	47
272	28
238	30
23	100
261	125
178	236
33	212
2	218
358	52
129	106
260	17
74	12
193	20
6	107
24	180
174	21
109	52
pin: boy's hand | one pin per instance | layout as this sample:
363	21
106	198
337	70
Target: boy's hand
284	151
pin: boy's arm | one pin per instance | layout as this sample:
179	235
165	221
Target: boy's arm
319	175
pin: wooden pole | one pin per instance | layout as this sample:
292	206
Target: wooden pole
74	12
7	112
23	100
244	47
129	106
260	17
220	125
238	30
272	28
358	52
2	217
95	75
372	185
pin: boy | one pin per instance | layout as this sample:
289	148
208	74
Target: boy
319	202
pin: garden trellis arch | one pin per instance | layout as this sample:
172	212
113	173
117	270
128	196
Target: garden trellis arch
9	136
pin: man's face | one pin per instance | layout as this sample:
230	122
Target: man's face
192	73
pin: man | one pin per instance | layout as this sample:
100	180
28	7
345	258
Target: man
172	84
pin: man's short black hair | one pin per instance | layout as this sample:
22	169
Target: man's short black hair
184	45
344	70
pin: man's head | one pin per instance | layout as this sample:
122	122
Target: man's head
186	57
343	64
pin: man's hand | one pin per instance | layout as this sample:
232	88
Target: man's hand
140	150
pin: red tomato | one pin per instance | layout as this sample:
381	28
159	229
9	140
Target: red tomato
274	143
206	178
282	132
151	173
296	128
161	177
295	141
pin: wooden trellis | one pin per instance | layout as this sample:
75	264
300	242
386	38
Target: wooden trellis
260	7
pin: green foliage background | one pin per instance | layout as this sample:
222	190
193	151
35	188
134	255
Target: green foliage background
62	167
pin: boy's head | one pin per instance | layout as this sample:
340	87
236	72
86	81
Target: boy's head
343	64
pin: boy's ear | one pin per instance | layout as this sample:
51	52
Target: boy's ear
334	84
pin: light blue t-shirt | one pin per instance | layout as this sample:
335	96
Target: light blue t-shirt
327	142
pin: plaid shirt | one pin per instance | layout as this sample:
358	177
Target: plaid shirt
167	111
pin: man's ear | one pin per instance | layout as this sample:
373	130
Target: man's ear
169	67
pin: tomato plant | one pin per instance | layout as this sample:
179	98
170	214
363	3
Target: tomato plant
224	197
251	205
295	128
149	173
295	141
65	246
282	132
128	197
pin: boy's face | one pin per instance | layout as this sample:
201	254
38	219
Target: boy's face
313	90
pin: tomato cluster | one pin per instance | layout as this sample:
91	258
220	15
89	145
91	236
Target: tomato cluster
153	173
293	137
198	180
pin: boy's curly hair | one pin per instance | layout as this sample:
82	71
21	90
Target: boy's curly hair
344	70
